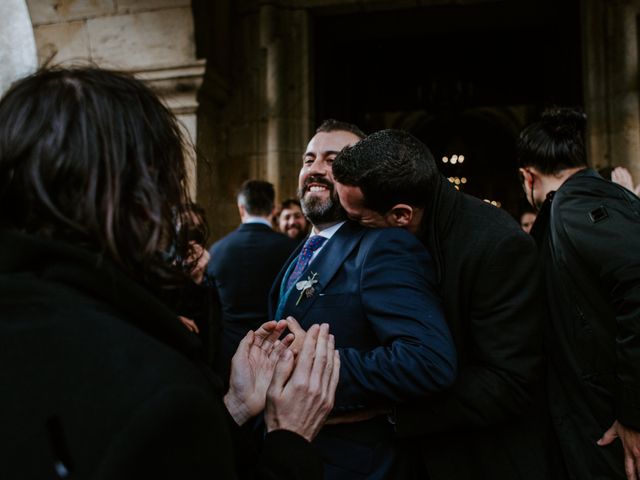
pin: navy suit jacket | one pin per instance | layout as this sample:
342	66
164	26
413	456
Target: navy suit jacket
376	289
242	268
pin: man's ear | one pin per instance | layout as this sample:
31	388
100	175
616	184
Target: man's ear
400	215
527	177
242	211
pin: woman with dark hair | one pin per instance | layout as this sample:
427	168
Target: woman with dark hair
99	377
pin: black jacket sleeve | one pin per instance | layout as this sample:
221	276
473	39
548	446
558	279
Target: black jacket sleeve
599	238
500	367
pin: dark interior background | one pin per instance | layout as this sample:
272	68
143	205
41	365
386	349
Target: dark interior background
463	78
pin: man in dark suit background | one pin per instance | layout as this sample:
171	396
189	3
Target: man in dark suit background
492	424
376	290
243	265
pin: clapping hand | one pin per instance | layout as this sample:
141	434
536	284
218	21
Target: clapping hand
252	368
302	391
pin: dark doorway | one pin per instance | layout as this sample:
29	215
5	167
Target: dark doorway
463	78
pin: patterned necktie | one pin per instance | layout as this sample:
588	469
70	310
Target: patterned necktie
310	246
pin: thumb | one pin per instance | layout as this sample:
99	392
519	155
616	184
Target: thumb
245	344
283	370
608	437
294	326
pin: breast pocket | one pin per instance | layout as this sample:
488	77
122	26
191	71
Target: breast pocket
332	300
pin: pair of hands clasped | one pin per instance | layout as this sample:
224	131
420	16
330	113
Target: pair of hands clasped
296	391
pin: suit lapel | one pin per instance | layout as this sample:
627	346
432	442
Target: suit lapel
326	265
276	288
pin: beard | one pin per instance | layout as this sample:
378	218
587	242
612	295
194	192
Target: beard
293	230
317	210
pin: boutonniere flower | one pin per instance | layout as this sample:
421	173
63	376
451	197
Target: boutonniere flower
306	287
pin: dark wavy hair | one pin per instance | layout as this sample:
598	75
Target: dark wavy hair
554	143
92	157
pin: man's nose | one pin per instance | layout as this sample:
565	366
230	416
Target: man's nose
318	167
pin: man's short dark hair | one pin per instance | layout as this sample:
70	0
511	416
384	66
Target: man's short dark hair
257	197
555	142
331	125
289	202
390	167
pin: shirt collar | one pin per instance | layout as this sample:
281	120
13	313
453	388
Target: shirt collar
328	232
262	220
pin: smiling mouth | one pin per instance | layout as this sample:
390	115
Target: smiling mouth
317	188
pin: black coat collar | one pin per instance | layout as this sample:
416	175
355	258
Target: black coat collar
54	264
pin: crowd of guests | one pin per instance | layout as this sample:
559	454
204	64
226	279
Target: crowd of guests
382	325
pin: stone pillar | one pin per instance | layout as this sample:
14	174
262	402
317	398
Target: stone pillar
624	99
284	38
254	116
18	55
610	46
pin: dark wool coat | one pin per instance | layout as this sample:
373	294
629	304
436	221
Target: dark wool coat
492	424
589	232
100	380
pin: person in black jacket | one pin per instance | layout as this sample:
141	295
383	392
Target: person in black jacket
588	230
491	423
100	379
244	264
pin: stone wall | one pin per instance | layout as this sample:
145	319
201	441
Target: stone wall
152	38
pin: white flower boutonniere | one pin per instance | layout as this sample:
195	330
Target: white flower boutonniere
306	287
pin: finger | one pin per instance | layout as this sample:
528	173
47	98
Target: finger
630	467
326	375
608	437
320	357
264	331
294	326
245	344
288	340
281	375
307	352
277	351
335	377
190	324
269	341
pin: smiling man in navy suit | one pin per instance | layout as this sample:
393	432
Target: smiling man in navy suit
376	290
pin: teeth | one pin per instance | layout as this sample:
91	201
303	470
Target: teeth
317	189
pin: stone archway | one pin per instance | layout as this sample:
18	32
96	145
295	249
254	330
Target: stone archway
475	149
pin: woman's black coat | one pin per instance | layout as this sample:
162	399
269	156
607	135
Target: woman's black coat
100	380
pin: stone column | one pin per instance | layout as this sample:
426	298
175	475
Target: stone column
284	38
18	55
255	105
612	101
